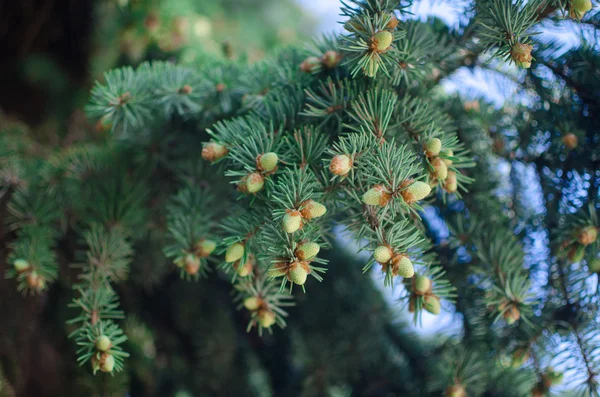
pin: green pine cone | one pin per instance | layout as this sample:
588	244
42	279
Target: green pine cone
268	161
234	252
307	251
103	343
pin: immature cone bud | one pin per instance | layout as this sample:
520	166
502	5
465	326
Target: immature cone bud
192	264
588	235
340	164
310	65
106	363
103	343
511	315
292	221
331	59
402	266
578	8
415	192
268	161
234	252
307	251
35	281
393	23
440	169
266	318
381	41
521	54
377	195
278	270
383	254
455	391
431	303
21	265
244	270
594	265
297	273
255	182
312	209
252	303
433	147
451	184
447	153
422	285
213	151
576	253
571	141
205	247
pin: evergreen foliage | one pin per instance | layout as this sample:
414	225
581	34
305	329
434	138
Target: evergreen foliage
245	174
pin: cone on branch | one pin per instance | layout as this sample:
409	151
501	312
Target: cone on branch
383	254
307	251
298	272
266	318
21	265
416	191
378	195
578	8
432	304
521	55
588	235
312	209
213	151
103	343
440	169
331	59
433	147
402	266
571	141
267	162
451	184
393	22
292	221
311	65
255	182
422	285
234	252
456	390
252	303
35	281
381	41
205	247
341	164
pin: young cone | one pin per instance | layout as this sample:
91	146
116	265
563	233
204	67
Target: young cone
213	151
297	273
268	161
311	65
21	265
571	141
331	59
205	247
312	209
521	55
103	343
377	195
383	254
252	303
402	266
106	363
277	270
292	221
440	169
415	192
266	318
455	391
433	147
381	41
340	164
255	182
447	153
393	23
431	303
422	285
307	251
451	184
588	235
578	8
234	252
